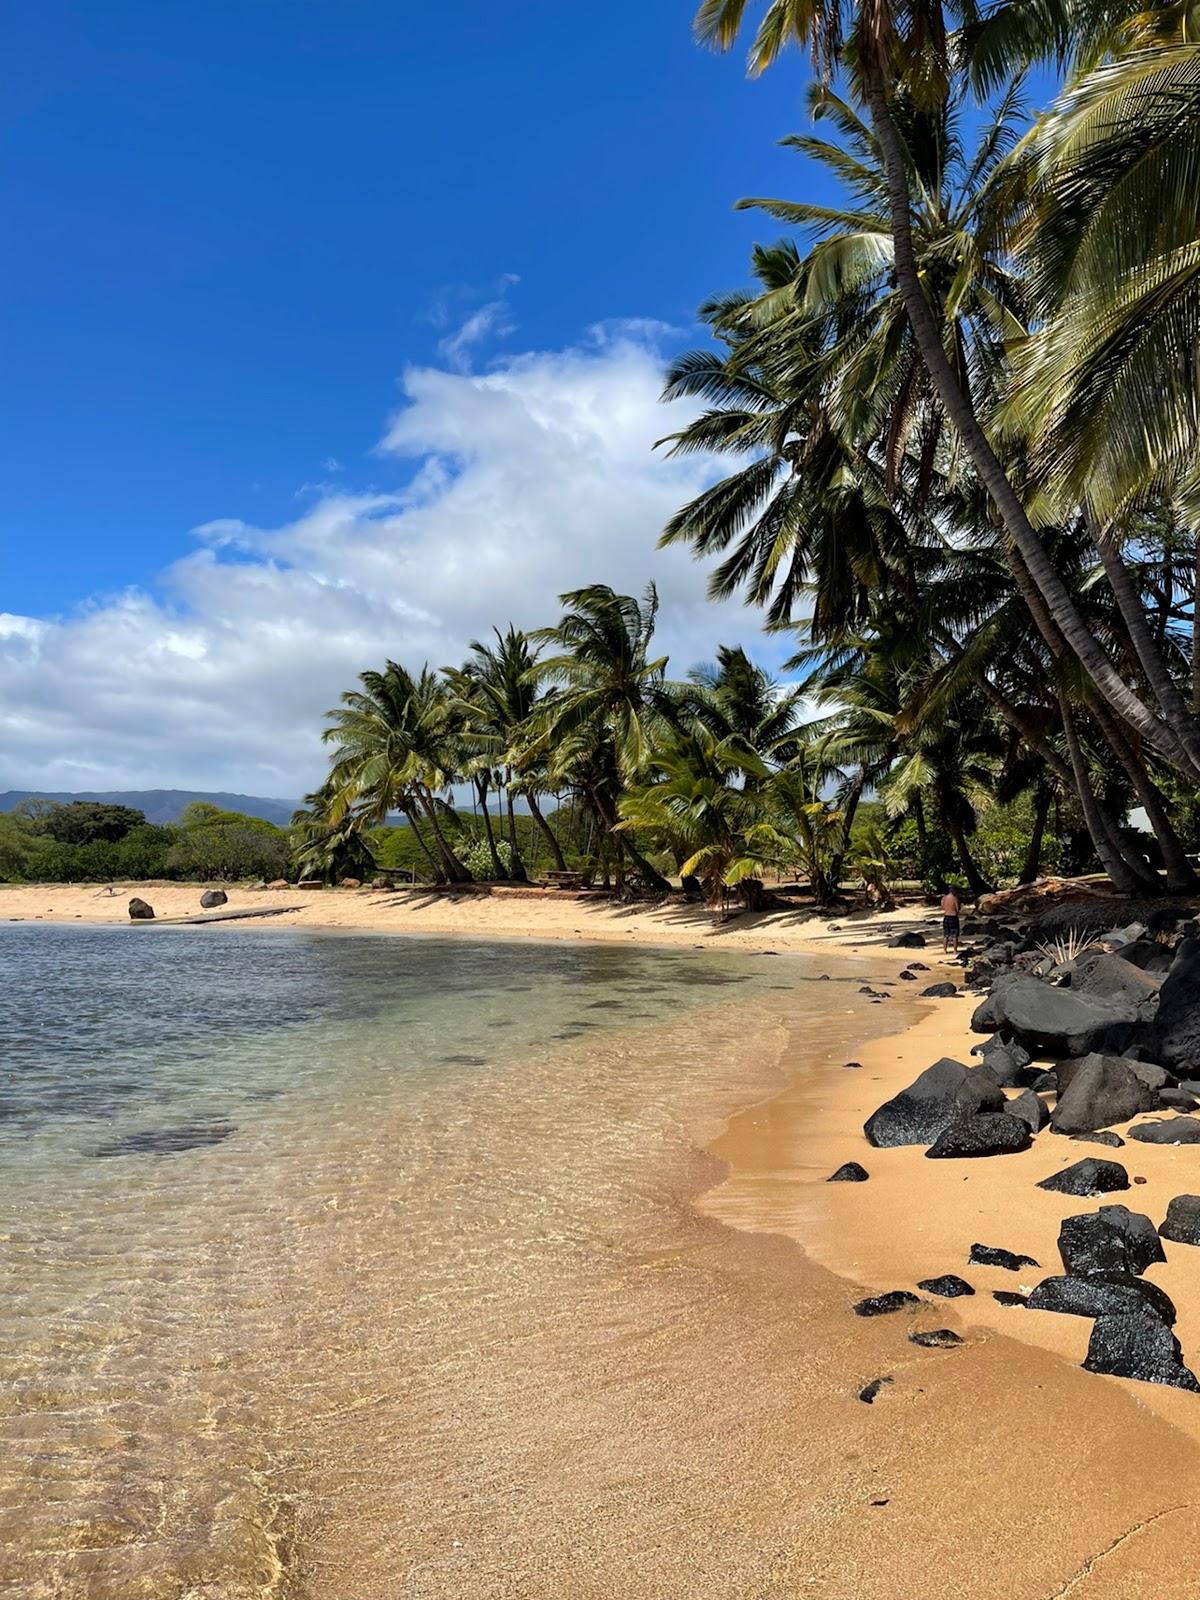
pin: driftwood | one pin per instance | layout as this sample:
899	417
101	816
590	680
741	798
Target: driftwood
216	916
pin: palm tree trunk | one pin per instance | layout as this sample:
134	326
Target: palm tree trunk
1111	859
1181	876
843	845
547	832
976	881
456	872
1196	627
1032	864
482	786
624	843
518	866
922	833
961	412
435	870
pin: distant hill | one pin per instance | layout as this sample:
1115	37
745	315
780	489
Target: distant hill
162	805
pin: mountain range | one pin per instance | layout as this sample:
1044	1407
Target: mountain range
161	805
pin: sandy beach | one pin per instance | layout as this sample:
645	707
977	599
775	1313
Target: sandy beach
999	1462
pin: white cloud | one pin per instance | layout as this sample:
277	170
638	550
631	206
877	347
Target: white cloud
531	479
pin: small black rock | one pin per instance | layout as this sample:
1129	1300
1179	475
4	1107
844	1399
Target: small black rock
1028	1108
950	1286
909	977
1111	1141
987	1134
1179	1130
916	966
990	1255
935	1339
1183	1220
1090	1176
939	991
907	941
849	1172
1006	1297
882	1305
867	1395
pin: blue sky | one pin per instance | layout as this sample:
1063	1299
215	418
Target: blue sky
241	228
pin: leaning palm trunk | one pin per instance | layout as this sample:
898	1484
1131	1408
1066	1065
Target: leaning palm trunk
1114	863
456	872
517	869
482	788
1181	877
843	844
976	881
435	870
961	412
1033	854
625	845
548	833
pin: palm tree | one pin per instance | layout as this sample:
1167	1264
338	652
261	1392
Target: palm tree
743	704
325	849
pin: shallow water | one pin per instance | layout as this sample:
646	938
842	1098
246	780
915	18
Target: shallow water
292	1224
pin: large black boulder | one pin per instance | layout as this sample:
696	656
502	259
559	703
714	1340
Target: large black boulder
1176	1130
1176	1038
140	910
993	1255
1139	1346
907	941
939	991
1028	1108
212	898
1178	1100
950	1286
1182	1222
1106	1294
1147	954
989	1133
1088	1177
1112	978
1056	1021
1101	1090
943	1093
1113	1239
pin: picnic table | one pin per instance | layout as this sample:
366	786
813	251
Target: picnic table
563	880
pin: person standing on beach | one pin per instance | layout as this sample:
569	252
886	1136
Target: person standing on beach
950	923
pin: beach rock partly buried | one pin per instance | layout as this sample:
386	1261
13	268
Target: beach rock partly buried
989	1133
1088	1177
1177	1130
1101	1090
939	991
1008	1297
140	910
1055	1020
1182	1222
991	1255
1138	1346
907	941
849	1172
1028	1108
1110	1141
868	1393
1106	1294
949	1286
935	1338
882	1305
211	898
943	1092
1113	1239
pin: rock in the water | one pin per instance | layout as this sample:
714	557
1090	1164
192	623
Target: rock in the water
1182	1222
949	1286
935	1339
849	1172
140	910
882	1305
1055	1020
1100	1091
907	941
1111	1141
943	1092
1008	1297
1088	1177
167	1141
1176	1040
1178	1130
1107	1294
870	1391
1140	1347
939	991
989	1133
1113	1239
211	898
1028	1108
1112	978
991	1255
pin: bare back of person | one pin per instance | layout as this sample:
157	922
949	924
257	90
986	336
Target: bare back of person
951	909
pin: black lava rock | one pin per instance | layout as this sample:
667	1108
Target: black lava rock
939	991
1008	1297
943	1092
870	1391
1110	1141
917	966
1182	1222
907	941
1139	1347
1111	978
989	1133
909	977
1030	1109
1177	1100
211	898
1107	1294
1176	1041
1088	1177
935	1339
1098	1091
1113	1239
1055	1020
882	1305
849	1172
168	1141
949	1286
991	1255
1178	1130
140	910
1044	1083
